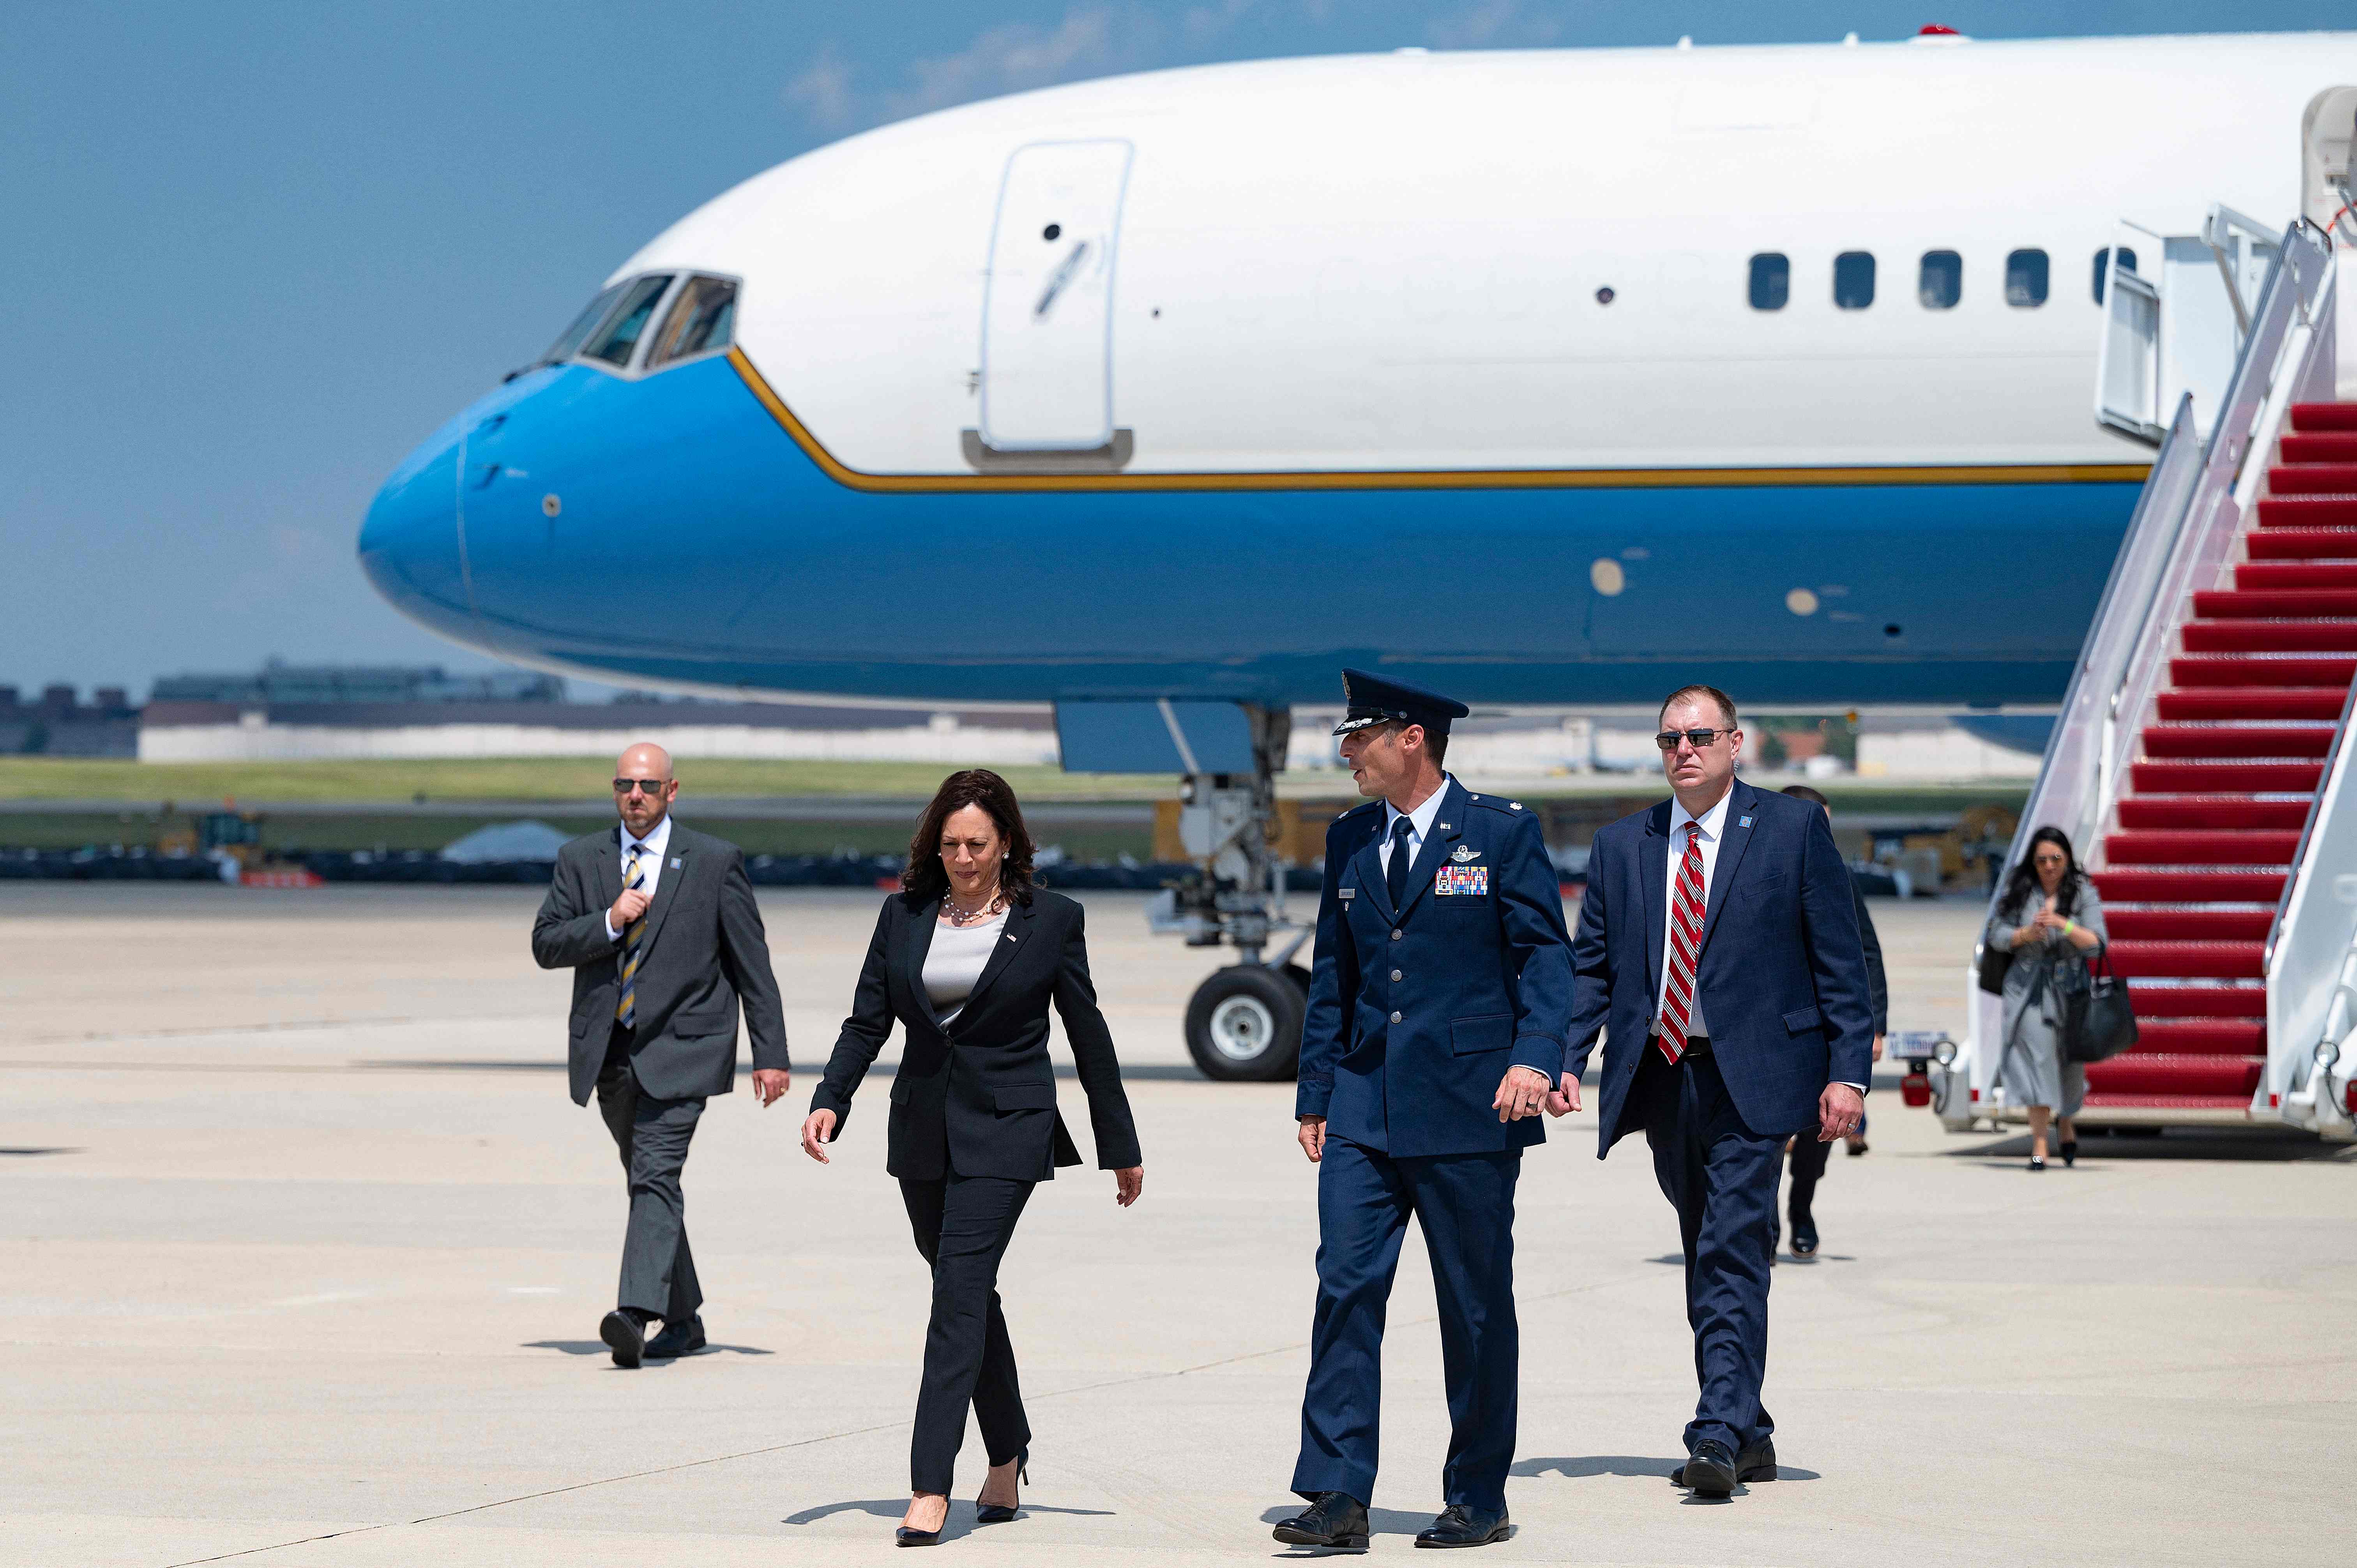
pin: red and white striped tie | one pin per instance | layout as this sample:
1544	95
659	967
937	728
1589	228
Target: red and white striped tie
1685	948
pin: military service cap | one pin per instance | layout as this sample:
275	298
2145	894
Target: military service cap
1380	700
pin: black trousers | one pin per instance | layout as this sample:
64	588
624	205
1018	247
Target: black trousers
1808	1165
658	1268
1721	1176
963	1225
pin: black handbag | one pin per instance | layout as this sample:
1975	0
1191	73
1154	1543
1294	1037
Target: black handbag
2098	1023
1995	962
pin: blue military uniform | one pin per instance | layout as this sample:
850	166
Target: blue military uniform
1415	1013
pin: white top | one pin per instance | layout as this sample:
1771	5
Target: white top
1713	825
1419	824
652	846
956	960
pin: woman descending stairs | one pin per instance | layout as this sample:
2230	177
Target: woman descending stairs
2212	816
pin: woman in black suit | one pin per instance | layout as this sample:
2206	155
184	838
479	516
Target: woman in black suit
968	956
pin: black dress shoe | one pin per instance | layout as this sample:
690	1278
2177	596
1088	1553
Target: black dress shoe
1461	1524
677	1339
1804	1244
1757	1463
1709	1471
621	1332
1334	1519
2069	1154
904	1536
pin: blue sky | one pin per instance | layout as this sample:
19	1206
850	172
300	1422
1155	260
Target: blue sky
261	250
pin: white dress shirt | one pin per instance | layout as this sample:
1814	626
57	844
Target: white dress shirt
1713	832
1713	823
652	846
1419	824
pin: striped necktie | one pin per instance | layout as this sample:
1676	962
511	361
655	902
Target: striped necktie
1685	948
626	1006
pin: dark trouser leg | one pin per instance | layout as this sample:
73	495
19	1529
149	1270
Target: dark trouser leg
1465	1205
1362	1209
963	1225
1722	1177
1808	1165
658	1268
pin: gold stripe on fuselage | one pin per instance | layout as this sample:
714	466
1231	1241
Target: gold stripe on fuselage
1430	479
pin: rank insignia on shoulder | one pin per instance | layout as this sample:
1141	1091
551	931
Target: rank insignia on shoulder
1473	879
1513	805
1465	852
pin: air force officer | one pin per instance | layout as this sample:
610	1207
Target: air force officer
1435	1025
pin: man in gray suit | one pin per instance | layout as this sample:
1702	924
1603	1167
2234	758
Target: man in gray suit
657	924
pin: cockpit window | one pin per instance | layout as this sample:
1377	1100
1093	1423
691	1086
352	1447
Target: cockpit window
569	343
701	321
619	335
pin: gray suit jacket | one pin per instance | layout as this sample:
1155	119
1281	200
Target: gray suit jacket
705	954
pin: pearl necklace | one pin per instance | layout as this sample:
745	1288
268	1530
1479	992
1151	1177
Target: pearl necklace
961	918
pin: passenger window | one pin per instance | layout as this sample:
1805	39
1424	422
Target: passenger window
621	334
2127	264
1940	282
1854	279
700	321
1772	281
569	343
2025	279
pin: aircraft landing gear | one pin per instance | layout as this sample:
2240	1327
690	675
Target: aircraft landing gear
1244	1022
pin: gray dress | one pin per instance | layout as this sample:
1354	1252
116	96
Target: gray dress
2032	1069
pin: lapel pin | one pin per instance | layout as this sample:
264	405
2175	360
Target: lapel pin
1740	821
674	859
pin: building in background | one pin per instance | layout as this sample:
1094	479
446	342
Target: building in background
279	682
59	723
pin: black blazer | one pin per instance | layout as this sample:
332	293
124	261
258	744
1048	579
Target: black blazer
704	955
979	1096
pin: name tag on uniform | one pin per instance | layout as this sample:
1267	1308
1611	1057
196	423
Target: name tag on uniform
1346	894
1462	879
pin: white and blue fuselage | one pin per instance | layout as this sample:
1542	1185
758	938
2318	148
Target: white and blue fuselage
1560	377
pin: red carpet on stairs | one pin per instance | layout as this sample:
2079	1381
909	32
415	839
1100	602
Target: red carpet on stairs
2197	857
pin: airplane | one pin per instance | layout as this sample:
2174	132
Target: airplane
1554	377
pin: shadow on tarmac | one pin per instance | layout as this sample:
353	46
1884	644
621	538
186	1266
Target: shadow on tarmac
2098	1146
599	1347
960	1521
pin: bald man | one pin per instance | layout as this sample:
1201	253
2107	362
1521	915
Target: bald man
658	925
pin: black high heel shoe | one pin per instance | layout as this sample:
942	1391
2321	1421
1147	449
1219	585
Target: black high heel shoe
2069	1154
998	1513
904	1536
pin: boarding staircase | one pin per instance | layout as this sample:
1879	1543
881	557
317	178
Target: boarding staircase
2199	764
2209	821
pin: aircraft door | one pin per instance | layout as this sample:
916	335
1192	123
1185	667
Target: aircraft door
1047	332
2327	156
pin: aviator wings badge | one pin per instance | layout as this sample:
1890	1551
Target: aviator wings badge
1464	852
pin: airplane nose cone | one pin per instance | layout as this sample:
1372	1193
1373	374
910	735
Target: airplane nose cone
412	543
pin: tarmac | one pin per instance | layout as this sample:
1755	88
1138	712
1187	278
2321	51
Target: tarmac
304	1250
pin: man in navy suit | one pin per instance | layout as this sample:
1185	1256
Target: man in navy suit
1719	949
1435	1029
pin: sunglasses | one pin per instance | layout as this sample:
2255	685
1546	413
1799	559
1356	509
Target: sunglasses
1700	739
643	786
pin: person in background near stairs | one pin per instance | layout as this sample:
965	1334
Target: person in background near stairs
1808	1154
2049	917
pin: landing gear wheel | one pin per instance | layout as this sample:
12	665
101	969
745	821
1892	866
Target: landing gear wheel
1244	1025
